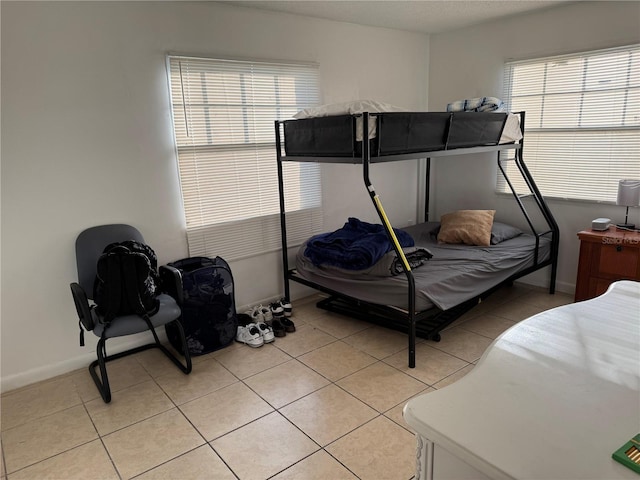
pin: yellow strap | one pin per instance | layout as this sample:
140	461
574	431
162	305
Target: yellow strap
393	233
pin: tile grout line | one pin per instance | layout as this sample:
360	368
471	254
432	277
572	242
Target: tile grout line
278	410
113	463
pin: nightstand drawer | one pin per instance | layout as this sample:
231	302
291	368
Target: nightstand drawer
619	261
606	256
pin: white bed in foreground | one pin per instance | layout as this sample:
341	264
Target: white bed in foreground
552	398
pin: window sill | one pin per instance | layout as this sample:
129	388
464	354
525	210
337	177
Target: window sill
552	199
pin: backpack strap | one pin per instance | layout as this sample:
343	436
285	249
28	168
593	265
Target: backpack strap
135	268
130	275
109	270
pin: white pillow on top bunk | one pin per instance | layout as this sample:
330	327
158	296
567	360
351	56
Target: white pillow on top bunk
351	108
347	108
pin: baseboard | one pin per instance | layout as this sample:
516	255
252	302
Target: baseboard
561	287
265	301
46	372
80	362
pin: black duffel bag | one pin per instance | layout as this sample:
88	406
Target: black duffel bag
207	301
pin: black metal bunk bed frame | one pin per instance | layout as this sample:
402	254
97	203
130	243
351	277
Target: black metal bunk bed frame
427	323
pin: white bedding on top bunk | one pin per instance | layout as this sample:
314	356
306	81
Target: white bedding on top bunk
351	108
511	132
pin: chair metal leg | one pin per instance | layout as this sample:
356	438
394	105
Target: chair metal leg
102	381
186	367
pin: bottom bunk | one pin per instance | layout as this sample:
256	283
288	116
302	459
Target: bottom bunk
449	281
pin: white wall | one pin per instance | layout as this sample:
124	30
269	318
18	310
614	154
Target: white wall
468	63
87	140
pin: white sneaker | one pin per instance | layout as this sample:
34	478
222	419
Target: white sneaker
249	335
277	310
266	313
266	331
257	315
286	306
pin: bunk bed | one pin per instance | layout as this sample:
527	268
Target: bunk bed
425	297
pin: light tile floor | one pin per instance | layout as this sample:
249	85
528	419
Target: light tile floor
324	402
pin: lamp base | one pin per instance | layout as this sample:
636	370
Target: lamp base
626	226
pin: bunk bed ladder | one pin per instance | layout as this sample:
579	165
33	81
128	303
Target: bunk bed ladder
534	193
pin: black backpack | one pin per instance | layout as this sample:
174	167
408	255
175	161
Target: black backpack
127	281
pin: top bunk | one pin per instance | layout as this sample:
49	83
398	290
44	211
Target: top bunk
397	136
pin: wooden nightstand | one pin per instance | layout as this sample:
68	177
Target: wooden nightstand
604	258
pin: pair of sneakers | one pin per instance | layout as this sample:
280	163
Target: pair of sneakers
253	334
260	314
281	311
281	308
286	306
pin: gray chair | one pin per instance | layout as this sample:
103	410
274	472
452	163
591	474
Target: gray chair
89	246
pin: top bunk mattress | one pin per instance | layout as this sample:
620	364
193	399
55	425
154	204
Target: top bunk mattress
396	133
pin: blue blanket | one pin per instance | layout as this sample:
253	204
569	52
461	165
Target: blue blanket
356	246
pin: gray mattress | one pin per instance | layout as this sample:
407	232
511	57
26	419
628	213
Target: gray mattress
454	274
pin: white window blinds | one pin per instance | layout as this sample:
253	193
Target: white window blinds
223	116
582	121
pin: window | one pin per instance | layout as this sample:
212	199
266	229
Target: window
582	121
223	117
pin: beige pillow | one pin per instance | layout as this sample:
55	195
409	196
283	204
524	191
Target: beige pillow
471	227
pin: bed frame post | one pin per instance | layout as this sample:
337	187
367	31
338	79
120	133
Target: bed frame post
366	160
427	189
283	220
